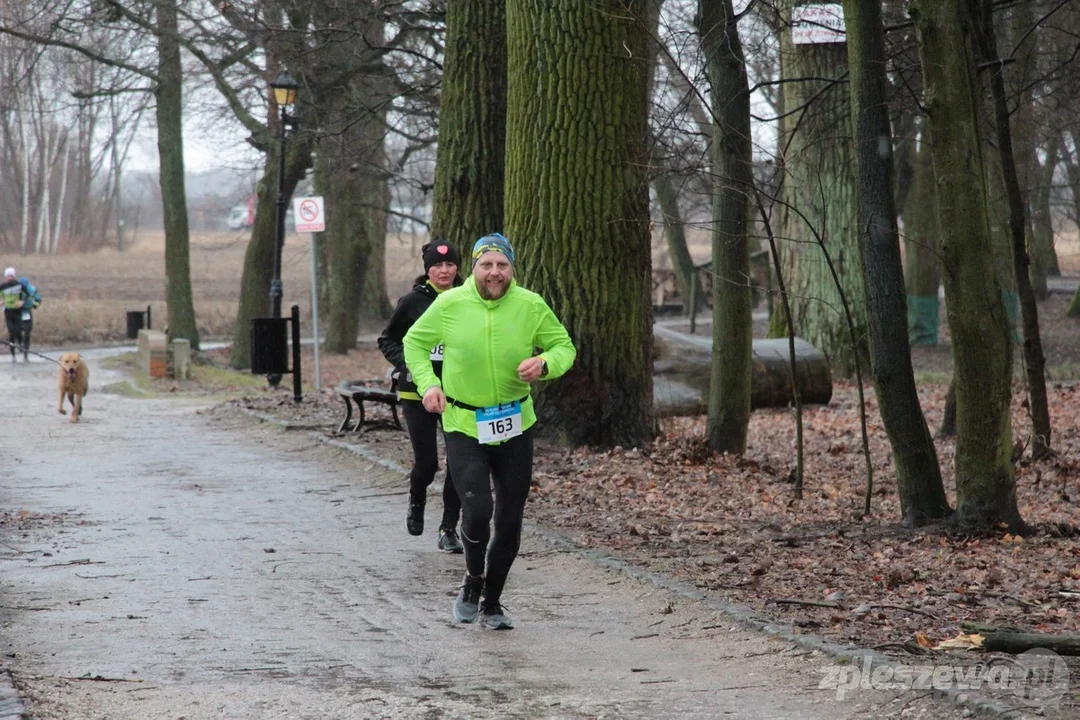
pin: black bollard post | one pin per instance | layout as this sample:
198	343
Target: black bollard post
296	376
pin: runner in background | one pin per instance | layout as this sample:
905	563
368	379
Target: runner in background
440	274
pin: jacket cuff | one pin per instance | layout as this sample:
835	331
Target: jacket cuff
423	391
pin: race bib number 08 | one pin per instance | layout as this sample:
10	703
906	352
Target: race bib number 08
498	423
437	353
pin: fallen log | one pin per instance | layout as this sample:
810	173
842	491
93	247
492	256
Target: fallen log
683	369
1015	643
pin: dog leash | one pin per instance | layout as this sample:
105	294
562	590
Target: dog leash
25	350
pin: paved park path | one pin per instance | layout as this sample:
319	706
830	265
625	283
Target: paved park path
162	561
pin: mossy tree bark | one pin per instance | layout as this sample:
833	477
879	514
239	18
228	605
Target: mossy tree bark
351	174
985	487
918	475
168	110
1044	256
729	388
1034	362
469	169
577	203
819	182
922	241
355	223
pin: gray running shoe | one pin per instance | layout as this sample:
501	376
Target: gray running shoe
448	541
493	616
467	604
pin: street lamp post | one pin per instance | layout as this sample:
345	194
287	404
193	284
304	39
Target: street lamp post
284	88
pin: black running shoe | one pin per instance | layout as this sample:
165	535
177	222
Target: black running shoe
493	616
414	519
448	541
467	604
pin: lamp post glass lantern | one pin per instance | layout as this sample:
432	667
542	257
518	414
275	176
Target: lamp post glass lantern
283	89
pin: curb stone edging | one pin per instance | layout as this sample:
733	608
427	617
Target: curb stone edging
742	614
11	702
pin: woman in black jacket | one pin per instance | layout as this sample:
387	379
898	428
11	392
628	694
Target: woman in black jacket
440	273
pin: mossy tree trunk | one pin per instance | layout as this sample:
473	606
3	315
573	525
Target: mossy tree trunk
469	170
351	174
577	203
729	387
1045	263
259	255
282	52
686	275
168	110
918	475
819	182
922	242
985	487
1034	361
374	193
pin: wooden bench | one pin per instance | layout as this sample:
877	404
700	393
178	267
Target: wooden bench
354	392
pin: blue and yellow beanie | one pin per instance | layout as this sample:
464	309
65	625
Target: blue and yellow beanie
493	243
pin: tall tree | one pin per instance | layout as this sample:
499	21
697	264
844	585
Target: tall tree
469	170
1072	168
918	475
922	240
729	388
668	182
1034	362
577	202
351	170
985	487
1044	260
819	188
169	112
283	51
687	279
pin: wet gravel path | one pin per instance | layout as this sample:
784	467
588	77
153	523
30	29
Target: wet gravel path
164	562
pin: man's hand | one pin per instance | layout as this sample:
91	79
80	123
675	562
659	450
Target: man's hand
19	304
435	400
531	369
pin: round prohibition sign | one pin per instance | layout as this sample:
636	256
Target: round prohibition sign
309	210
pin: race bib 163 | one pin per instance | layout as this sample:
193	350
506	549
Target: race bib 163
498	423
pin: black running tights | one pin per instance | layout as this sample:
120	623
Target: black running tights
423	433
476	467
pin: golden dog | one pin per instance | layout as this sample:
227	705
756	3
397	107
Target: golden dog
74	381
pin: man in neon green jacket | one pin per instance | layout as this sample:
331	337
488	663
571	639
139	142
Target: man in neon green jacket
489	329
